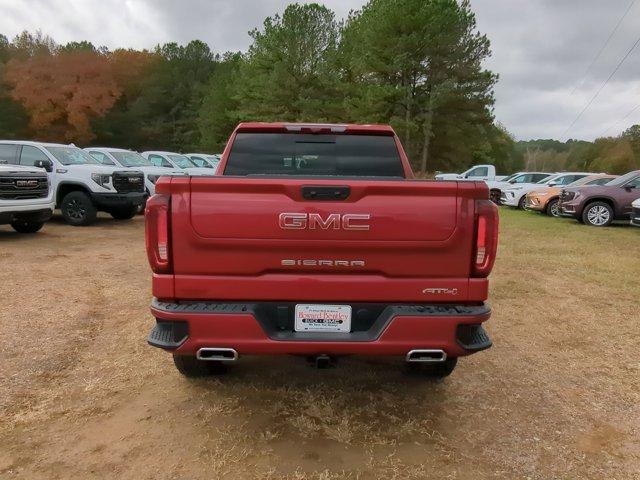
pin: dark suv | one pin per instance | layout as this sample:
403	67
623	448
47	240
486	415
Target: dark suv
599	205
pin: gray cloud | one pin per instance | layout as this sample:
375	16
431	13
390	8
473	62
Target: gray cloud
225	24
541	47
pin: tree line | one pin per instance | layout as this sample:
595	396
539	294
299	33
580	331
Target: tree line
416	64
616	155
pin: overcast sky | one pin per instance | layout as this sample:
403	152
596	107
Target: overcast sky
541	48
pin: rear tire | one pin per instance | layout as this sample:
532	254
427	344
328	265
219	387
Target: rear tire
494	195
522	202
124	213
597	214
433	371
78	209
25	226
191	367
553	208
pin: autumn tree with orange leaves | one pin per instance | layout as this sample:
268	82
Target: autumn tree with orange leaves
62	93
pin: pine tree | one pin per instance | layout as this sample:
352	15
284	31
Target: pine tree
418	64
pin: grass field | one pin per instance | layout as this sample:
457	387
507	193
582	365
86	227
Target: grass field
558	396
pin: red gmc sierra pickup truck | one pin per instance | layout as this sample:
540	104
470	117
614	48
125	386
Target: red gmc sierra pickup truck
317	241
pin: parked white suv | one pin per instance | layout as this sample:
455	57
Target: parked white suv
26	201
129	159
175	160
515	196
496	186
81	186
205	160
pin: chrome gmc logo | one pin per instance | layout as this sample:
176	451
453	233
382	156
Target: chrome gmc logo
26	183
334	221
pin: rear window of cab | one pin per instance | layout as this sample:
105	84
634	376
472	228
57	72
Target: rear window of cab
314	155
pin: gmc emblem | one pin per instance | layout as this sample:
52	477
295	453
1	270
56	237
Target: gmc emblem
314	221
134	179
27	183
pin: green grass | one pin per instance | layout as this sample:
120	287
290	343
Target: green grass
605	256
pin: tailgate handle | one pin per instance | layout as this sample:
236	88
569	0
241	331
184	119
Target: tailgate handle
324	192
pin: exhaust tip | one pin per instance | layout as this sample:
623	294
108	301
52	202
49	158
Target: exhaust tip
426	356
217	354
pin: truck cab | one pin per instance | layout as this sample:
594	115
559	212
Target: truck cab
317	241
80	185
26	199
475	173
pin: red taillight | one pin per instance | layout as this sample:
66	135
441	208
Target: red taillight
157	233
486	238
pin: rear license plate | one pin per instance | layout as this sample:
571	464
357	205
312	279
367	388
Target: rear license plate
323	318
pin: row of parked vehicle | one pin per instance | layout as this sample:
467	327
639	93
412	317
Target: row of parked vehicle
37	177
595	199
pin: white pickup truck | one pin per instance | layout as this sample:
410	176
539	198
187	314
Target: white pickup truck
496	183
81	186
26	201
477	172
131	160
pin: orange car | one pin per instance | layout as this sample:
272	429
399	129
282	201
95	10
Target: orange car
545	199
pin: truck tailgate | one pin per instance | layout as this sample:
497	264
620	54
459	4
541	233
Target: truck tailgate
263	239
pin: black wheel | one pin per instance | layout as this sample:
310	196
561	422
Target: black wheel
434	371
193	368
124	213
77	209
25	226
553	208
522	202
495	196
597	214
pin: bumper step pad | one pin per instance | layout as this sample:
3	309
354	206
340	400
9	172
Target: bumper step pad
473	337
168	335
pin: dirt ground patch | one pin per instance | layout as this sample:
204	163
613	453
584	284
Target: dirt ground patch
83	396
